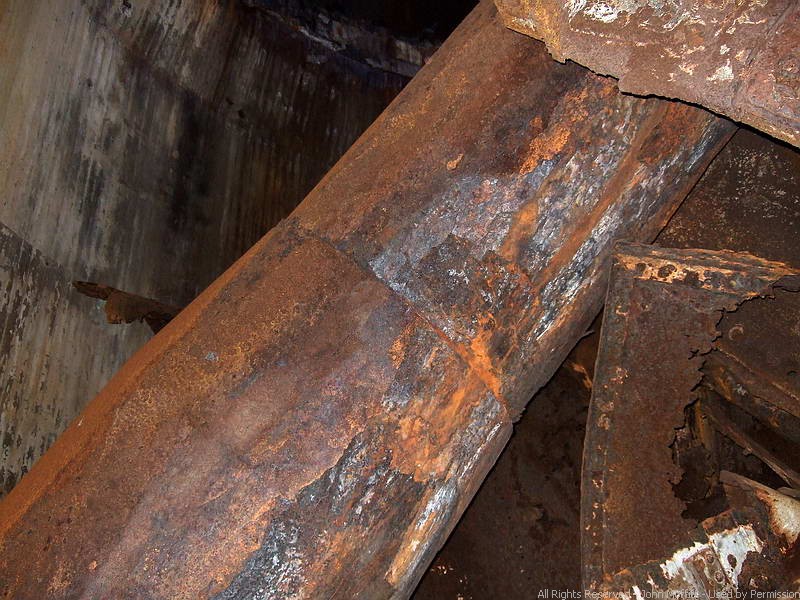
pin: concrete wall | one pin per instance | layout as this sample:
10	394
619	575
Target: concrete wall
144	144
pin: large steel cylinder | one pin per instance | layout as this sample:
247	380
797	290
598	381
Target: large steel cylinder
315	423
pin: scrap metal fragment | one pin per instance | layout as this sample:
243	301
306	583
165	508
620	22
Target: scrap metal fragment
759	346
737	58
124	307
715	410
746	548
754	393
661	319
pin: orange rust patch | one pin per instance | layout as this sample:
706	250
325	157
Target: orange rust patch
482	357
423	444
545	147
550	142
522	229
397	352
452	164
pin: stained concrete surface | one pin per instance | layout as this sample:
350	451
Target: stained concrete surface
521	533
38	310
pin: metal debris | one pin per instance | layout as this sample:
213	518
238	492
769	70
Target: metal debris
124	307
736	58
662	321
744	549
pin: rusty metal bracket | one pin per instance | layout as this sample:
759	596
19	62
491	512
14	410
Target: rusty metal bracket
124	307
662	321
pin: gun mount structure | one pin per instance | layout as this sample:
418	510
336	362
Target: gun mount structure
314	424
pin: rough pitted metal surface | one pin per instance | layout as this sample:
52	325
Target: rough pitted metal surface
736	58
314	424
521	533
660	321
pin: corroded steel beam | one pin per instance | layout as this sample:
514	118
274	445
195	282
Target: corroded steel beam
316	421
736	58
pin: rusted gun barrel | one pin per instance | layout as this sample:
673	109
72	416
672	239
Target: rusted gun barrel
314	424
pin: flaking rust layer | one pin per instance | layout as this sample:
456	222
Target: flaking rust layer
660	322
315	423
739	59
